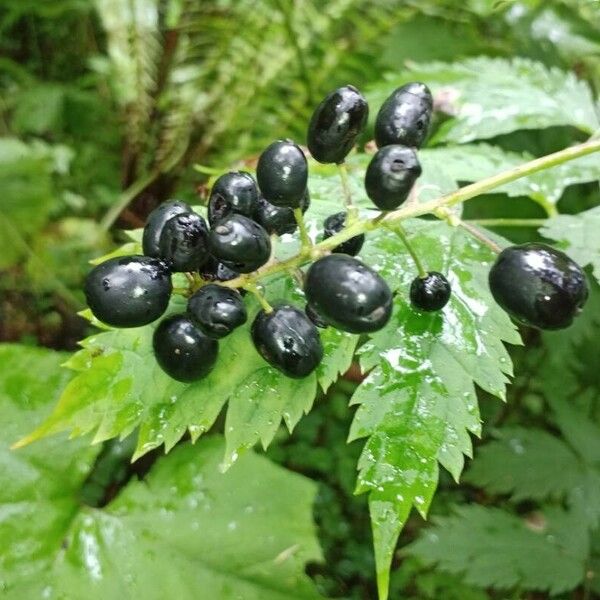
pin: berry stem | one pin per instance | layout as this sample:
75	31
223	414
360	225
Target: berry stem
253	289
508	222
419	208
479	235
304	237
351	210
401	233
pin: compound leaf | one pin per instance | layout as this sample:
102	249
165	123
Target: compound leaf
418	404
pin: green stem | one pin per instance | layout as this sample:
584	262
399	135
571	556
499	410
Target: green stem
351	210
253	289
401	233
417	209
304	237
508	222
479	235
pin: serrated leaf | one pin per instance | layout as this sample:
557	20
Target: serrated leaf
418	404
185	529
524	463
490	547
578	236
488	97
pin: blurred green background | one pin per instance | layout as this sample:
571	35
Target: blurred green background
109	107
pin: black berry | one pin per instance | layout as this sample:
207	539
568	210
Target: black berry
217	310
233	192
315	317
538	285
334	224
348	294
156	222
391	175
279	219
213	270
405	116
287	340
430	293
336	123
182	350
240	243
282	174
183	242
128	291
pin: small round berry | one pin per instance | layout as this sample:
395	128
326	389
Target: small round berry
213	270
128	291
217	310
336	123
233	192
430	293
391	175
334	224
282	174
240	243
405	116
182	350
183	242
287	340
315	317
538	285
279	219
156	222
348	294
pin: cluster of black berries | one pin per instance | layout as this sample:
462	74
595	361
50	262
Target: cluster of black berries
536	284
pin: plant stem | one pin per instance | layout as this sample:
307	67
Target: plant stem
401	233
352	212
479	235
417	209
304	237
508	222
253	289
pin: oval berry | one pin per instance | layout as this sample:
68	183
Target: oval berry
334	224
234	192
282	174
538	285
240	243
391	175
217	310
287	340
336	123
156	222
183	242
405	116
348	294
128	291
182	350
279	219
430	293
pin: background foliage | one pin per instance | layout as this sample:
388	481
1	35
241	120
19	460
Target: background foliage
109	107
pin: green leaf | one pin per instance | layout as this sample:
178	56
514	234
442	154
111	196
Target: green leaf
185	528
578	236
418	403
493	548
525	463
119	387
487	97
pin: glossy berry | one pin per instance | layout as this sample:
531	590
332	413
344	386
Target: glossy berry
183	242
430	293
233	192
182	350
315	317
282	174
334	224
348	294
405	116
128	291
217	310
391	175
336	123
156	222
279	219
287	340
240	243
538	285
213	270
